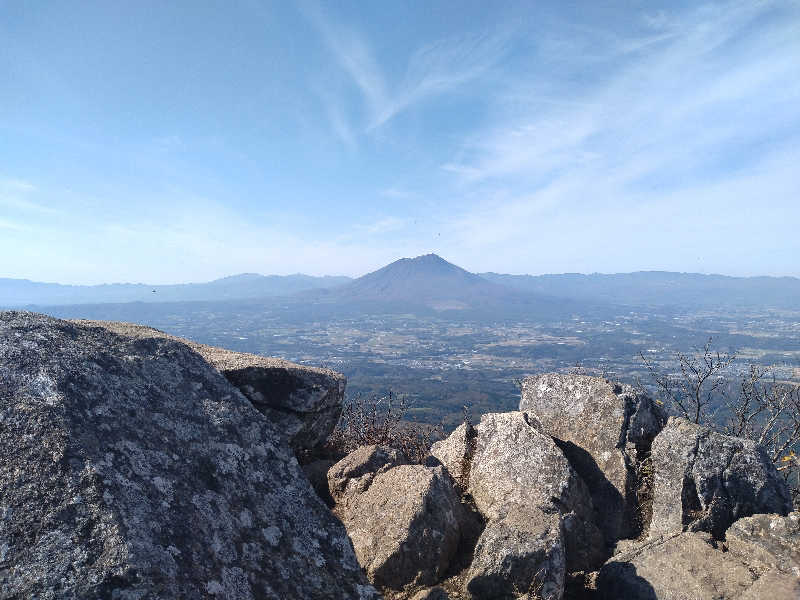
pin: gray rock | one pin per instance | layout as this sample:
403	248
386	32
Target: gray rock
317	473
519	555
603	428
434	593
704	481
354	473
130	468
405	526
692	566
455	452
771	540
304	402
515	465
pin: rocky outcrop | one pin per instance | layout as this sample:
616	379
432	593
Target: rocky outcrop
519	554
604	429
761	559
304	402
677	567
405	524
704	481
769	540
132	469
515	465
354	473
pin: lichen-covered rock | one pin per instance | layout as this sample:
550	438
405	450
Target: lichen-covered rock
603	428
304	402
354	473
519	555
704	481
514	464
693	566
405	526
130	468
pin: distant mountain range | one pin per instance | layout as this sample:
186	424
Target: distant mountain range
661	288
431	282
22	292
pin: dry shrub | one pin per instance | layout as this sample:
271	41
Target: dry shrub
381	420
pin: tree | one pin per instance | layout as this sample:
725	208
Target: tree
754	405
701	381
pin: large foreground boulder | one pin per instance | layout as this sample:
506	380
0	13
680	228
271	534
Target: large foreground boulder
304	402
130	468
405	522
704	481
604	428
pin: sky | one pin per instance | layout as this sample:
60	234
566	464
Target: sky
186	141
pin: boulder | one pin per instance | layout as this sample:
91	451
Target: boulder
516	465
130	468
704	481
771	540
354	473
604	428
692	566
519	555
405	526
304	402
455	452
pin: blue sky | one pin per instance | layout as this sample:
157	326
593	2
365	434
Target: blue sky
184	141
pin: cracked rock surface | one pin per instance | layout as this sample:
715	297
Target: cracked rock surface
704	481
603	428
130	468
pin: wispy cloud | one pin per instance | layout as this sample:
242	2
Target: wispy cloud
433	69
15	194
693	124
679	97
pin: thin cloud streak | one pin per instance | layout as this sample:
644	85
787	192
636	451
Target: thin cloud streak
433	69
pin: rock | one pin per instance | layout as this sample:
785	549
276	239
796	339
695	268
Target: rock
516	465
405	526
130	468
304	402
603	429
772	540
434	593
704	481
692	566
317	473
519	554
354	473
455	452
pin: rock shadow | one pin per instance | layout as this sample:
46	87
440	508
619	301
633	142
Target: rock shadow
614	514
619	580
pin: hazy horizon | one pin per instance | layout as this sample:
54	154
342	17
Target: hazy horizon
185	142
335	275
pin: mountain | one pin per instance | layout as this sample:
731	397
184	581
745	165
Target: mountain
431	282
661	288
22	292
